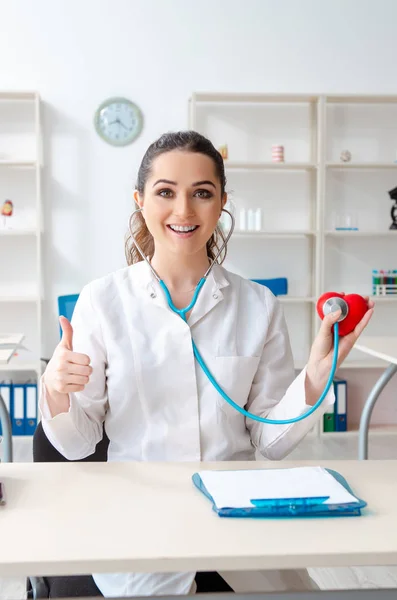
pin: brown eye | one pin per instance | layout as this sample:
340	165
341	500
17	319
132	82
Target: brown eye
203	194
165	193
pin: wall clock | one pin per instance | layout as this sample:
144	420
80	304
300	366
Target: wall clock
118	121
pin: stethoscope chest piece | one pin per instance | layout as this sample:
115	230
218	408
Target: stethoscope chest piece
334	304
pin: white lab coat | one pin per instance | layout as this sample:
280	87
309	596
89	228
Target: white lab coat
156	402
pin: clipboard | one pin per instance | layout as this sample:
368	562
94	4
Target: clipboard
291	507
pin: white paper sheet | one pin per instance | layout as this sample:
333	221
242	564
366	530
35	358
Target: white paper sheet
236	489
5	355
8	340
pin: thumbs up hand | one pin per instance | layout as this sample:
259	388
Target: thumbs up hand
67	334
67	371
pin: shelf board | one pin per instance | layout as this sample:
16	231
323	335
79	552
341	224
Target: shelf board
225	97
18	232
20	164
271	234
295	299
19	293
27	298
18	95
385	299
268	166
14	366
373	364
364	165
364	364
374	430
361	233
361	99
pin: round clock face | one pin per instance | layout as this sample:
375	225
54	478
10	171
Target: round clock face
118	121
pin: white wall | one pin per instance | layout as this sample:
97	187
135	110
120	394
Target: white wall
156	52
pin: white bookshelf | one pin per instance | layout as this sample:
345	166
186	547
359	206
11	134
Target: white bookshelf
300	198
20	241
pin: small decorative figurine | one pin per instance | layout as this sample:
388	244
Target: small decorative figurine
393	212
224	151
345	156
6	211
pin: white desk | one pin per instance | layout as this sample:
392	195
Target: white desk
79	518
384	348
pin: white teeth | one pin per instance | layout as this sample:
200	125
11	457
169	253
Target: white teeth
183	229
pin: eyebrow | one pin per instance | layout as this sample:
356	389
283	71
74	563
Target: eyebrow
196	184
164	181
204	183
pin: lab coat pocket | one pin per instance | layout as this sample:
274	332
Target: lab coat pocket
235	375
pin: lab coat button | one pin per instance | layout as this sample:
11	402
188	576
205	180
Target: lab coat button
215	296
153	295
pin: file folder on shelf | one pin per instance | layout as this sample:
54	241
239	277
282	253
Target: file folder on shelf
329	419
278	285
340	387
30	408
18	409
341	502
6	394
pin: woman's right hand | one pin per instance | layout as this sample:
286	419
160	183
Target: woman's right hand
67	371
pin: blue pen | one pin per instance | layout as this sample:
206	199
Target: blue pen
288	502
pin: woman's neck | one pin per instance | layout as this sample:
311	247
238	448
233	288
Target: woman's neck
180	273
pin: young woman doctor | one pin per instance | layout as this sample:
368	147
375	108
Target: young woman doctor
126	360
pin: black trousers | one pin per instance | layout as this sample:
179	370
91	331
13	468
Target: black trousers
84	586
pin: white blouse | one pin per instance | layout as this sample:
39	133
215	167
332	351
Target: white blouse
153	398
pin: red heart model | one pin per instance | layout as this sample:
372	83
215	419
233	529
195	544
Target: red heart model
357	309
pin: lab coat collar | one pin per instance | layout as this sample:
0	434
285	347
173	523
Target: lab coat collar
210	295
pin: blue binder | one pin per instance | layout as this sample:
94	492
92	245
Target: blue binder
18	409
278	285
6	393
30	408
340	387
300	507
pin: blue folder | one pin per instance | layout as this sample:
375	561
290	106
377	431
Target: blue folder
340	388
30	408
277	285
18	404
6	393
299	507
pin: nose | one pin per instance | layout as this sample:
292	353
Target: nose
183	206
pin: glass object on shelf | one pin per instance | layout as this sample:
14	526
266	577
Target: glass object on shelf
258	219
346	221
224	219
242	223
250	219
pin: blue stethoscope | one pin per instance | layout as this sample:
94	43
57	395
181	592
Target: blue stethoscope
331	305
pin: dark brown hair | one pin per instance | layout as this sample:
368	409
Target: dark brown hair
188	141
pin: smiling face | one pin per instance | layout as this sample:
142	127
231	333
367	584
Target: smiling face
182	201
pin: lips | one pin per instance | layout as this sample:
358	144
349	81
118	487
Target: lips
183	228
183	231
